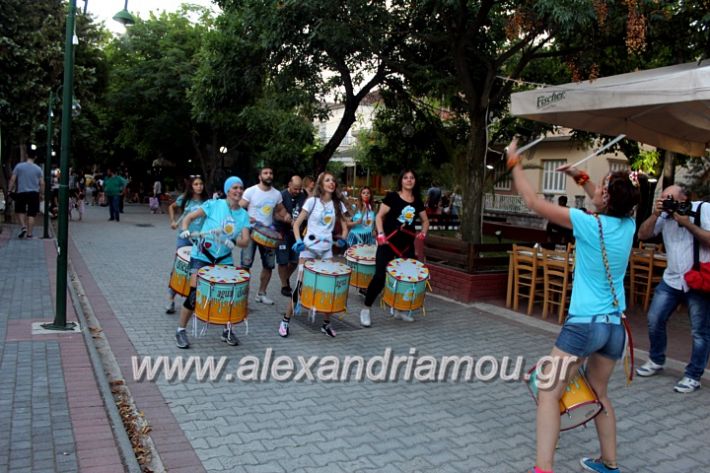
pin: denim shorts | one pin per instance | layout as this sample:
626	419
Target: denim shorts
582	340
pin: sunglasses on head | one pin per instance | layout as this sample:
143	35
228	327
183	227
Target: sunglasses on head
195	176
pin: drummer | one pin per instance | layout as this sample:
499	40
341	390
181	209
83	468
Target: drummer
395	223
193	197
322	210
593	331
263	202
287	259
362	224
225	225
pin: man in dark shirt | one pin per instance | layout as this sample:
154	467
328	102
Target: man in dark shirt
287	259
557	234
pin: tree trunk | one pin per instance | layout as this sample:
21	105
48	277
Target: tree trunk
668	168
472	219
321	157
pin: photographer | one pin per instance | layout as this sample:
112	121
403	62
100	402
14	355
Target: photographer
672	217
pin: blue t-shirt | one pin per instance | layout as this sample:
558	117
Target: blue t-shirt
591	294
366	224
190	207
221	223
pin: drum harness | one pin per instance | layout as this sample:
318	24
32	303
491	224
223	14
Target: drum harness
628	358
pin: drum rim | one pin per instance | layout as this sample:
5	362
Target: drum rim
350	256
423	268
268	232
309	265
240	272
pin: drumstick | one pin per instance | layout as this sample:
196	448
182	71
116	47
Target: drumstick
600	150
522	149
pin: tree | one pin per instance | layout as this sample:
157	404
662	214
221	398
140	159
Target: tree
326	50
31	52
152	67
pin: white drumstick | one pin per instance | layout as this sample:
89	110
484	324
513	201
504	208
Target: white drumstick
530	145
600	150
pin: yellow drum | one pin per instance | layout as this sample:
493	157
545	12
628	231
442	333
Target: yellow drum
405	286
579	403
266	236
180	277
361	259
325	286
222	294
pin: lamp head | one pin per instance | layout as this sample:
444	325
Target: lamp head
124	18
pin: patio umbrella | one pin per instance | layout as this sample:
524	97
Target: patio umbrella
668	107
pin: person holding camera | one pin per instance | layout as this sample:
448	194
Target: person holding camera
671	217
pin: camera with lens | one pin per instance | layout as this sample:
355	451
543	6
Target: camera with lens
671	206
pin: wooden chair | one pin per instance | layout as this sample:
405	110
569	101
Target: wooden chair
525	275
557	277
656	247
641	278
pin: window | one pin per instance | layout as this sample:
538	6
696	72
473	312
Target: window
618	166
553	181
502	183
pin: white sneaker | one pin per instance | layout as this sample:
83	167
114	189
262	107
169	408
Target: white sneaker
686	385
404	316
648	369
264	299
365	318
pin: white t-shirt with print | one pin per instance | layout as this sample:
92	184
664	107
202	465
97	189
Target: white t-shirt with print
321	216
262	204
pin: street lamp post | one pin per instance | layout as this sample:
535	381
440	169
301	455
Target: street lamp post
60	318
47	165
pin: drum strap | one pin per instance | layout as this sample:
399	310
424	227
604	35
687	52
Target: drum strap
211	258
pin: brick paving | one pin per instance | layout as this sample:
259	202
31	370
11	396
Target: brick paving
308	426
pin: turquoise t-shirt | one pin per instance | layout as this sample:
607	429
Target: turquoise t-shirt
367	222
591	294
190	207
221	223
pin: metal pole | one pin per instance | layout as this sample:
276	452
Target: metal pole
60	319
47	166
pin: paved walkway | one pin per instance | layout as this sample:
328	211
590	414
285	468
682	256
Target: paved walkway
308	426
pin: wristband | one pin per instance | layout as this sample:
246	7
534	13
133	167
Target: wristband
512	162
581	178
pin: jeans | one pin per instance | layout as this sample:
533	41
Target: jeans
113	203
585	339
665	301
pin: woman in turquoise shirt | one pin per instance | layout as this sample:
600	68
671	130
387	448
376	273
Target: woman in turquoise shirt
193	197
593	331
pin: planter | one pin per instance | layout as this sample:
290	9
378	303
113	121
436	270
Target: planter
466	287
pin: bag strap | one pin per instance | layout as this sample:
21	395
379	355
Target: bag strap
605	259
696	245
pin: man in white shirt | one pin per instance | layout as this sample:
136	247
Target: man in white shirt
263	202
679	232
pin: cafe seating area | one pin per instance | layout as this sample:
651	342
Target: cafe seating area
544	277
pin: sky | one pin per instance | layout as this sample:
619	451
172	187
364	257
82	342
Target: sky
105	9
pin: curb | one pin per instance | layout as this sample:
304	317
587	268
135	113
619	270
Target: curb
125	448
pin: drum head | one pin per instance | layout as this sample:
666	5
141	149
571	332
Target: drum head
331	268
184	252
269	232
361	254
409	270
223	274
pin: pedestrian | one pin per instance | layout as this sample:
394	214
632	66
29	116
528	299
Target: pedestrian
395	223
286	258
214	247
114	186
593	331
309	185
321	211
189	201
557	234
263	202
27	184
680	235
